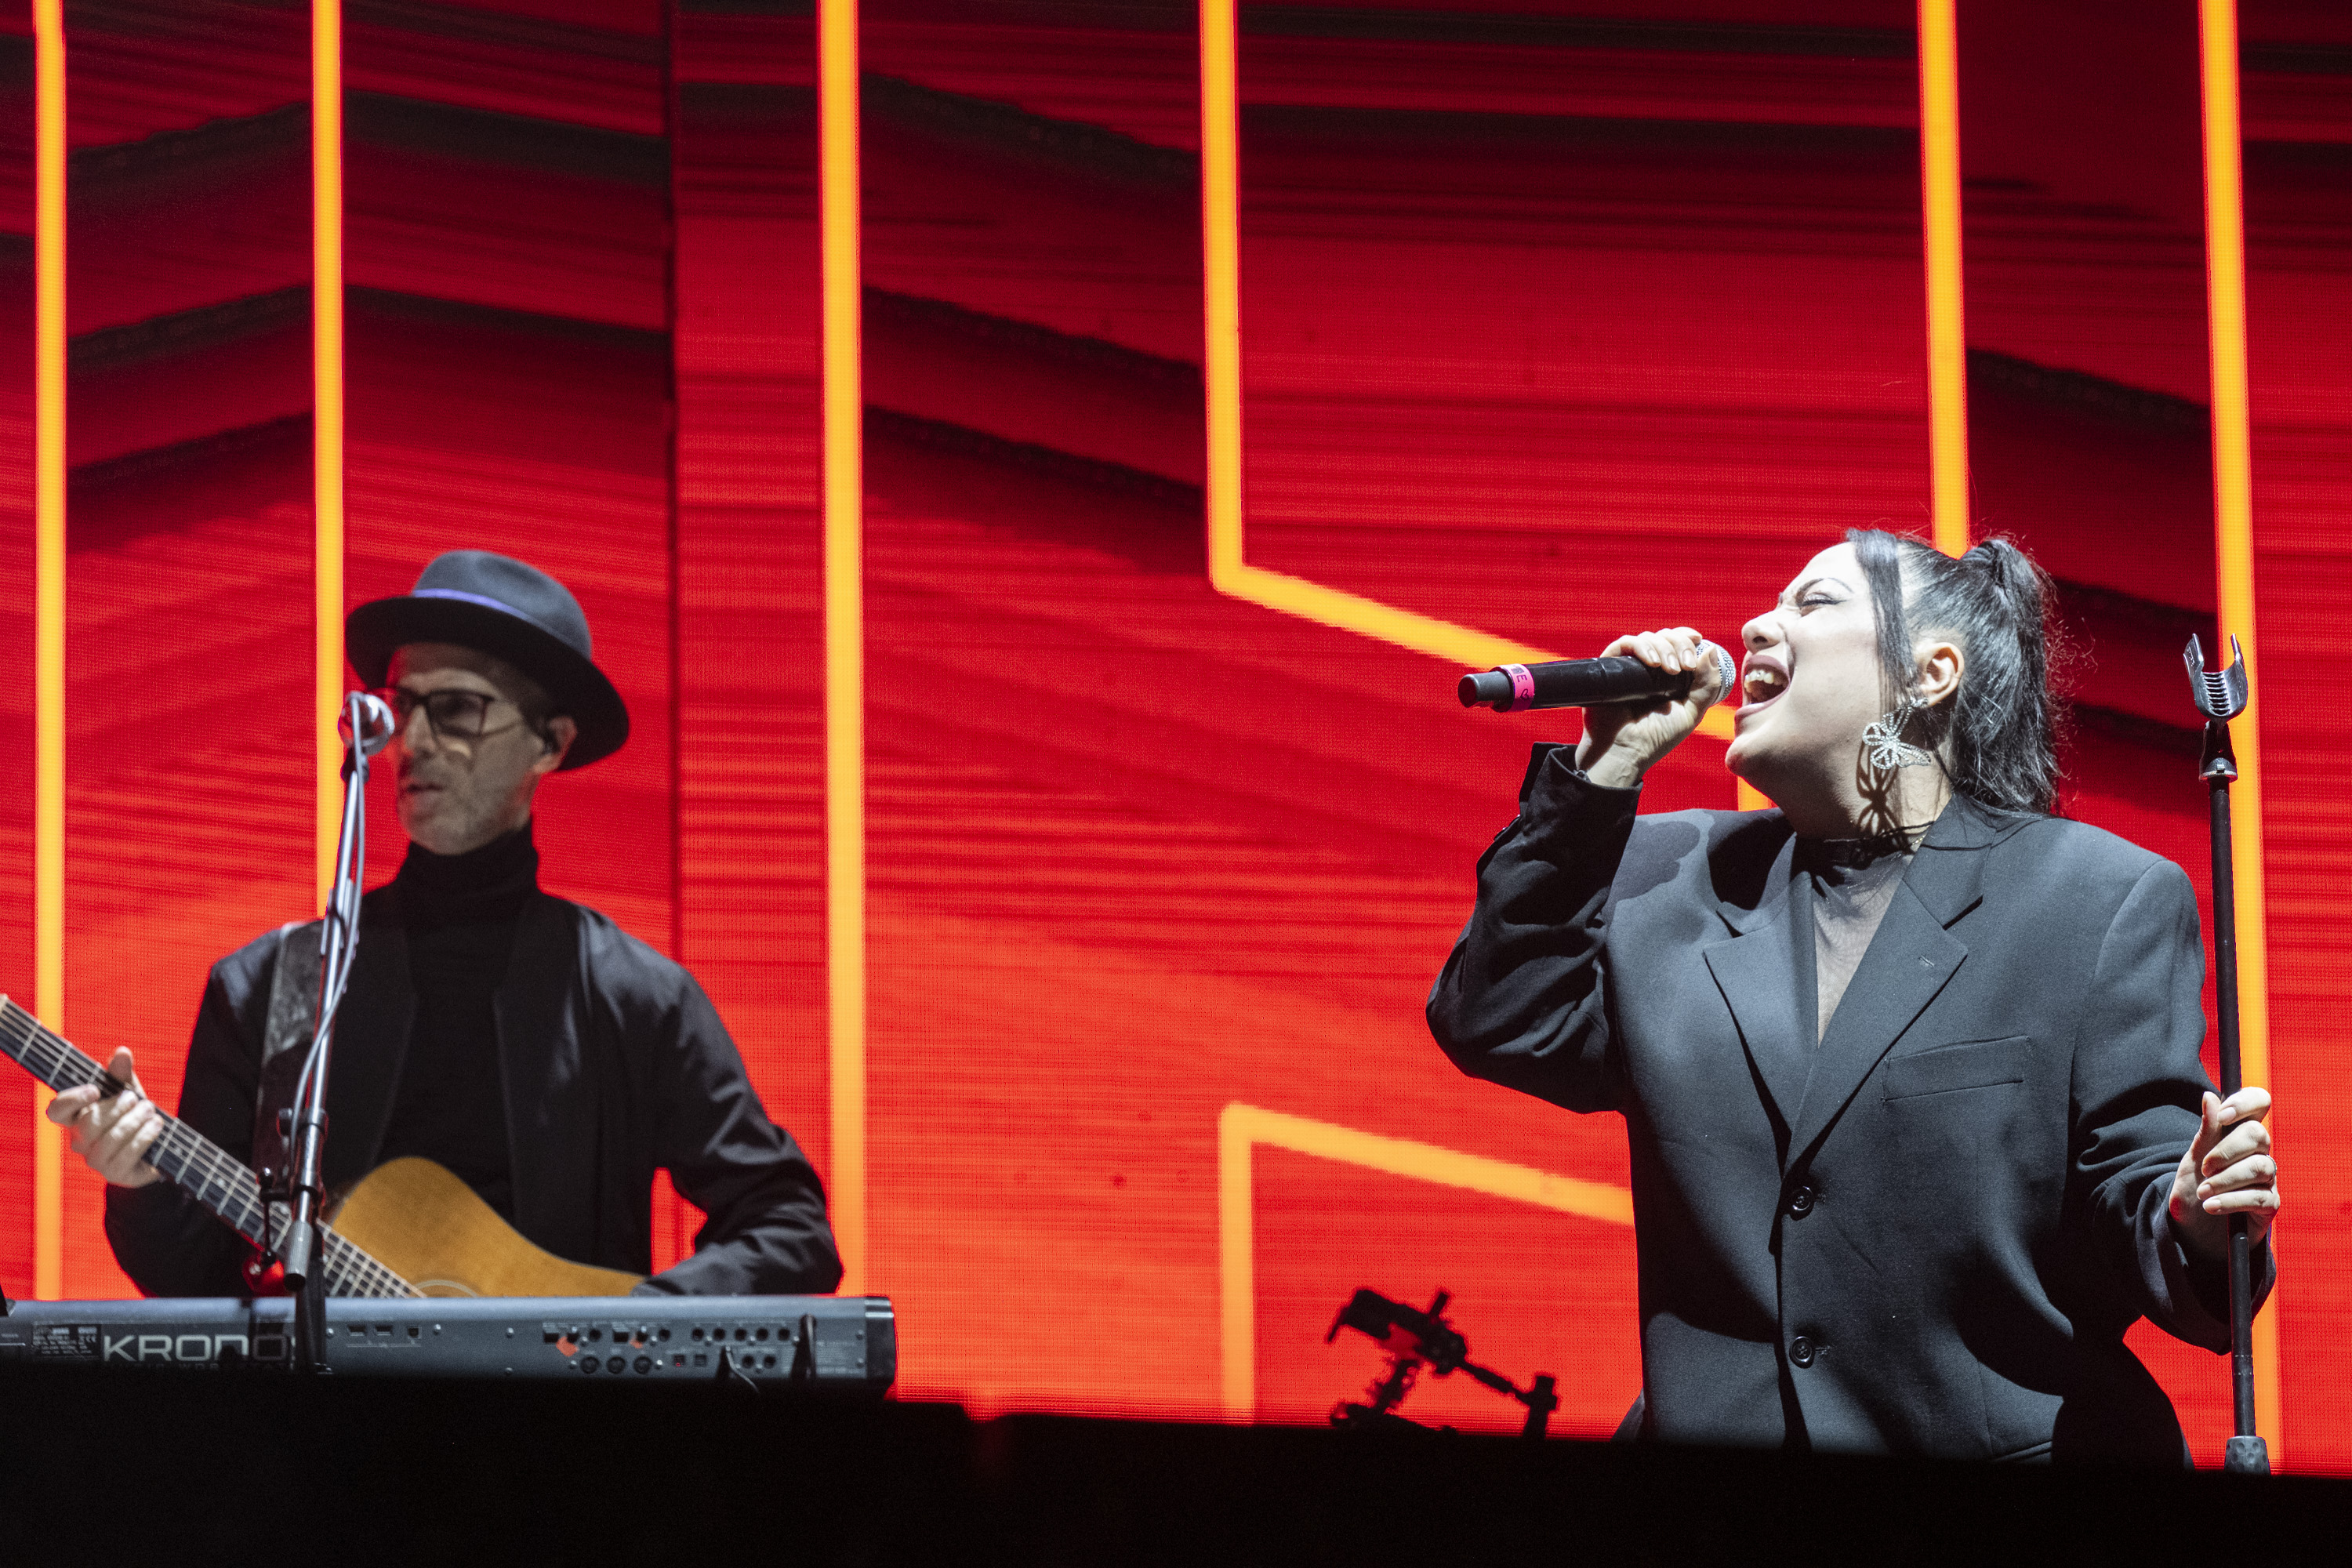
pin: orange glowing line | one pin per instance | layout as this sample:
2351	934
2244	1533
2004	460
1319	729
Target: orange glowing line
327	420
49	616
2234	554
1939	191
1242	1127
1229	571
1221	300
845	630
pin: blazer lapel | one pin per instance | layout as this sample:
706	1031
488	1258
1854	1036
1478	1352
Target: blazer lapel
371	1043
1911	958
1757	972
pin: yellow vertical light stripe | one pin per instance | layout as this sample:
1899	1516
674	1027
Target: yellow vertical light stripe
1221	302
845	629
1939	200
49	616
326	419
2234	554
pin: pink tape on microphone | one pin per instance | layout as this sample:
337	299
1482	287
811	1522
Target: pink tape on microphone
1523	687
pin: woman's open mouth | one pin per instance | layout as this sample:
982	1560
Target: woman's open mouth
1761	682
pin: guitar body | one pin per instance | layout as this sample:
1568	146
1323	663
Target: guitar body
430	1229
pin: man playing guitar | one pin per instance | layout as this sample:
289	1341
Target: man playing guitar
526	1043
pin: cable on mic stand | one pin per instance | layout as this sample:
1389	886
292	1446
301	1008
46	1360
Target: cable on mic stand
367	724
2220	695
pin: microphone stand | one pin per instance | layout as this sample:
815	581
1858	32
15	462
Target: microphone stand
1415	1338
366	726
2220	695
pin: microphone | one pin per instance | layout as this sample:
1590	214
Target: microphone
371	717
1587	682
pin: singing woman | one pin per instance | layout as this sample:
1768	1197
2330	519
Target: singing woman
1908	1064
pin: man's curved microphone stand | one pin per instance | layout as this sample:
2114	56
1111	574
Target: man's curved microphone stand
367	725
2220	695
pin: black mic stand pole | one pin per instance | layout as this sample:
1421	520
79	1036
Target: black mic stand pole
2220	695
364	722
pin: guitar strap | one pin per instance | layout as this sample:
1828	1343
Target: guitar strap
285	1042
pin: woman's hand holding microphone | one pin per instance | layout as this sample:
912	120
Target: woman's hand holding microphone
1623	740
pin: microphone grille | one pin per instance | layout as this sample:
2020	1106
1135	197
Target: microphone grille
1727	673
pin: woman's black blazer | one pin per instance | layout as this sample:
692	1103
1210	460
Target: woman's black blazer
1925	1236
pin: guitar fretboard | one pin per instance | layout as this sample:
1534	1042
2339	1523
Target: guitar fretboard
197	1165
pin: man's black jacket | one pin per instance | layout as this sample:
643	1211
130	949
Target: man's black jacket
1929	1234
614	1063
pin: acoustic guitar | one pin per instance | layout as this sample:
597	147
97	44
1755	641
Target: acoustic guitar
406	1228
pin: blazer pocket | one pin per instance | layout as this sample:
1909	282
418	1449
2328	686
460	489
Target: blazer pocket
1969	1064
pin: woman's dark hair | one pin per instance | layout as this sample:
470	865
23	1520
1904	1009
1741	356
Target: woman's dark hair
1999	734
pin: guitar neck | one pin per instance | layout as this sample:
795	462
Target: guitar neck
192	1161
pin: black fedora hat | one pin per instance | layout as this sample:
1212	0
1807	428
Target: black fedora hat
496	605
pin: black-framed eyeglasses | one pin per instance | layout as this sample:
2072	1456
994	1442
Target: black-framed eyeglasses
454	715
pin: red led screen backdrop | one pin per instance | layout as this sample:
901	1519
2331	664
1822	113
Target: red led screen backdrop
17	623
1556	322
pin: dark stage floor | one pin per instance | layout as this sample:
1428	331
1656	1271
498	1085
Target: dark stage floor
203	1468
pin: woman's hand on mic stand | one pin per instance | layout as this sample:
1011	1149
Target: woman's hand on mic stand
2229	1170
1623	740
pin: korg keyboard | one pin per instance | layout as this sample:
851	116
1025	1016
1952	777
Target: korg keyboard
838	1342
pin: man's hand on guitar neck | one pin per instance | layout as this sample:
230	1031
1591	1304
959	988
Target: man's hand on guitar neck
112	1135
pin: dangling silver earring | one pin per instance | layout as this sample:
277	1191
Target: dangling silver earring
1888	749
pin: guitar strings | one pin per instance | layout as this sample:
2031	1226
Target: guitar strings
351	1269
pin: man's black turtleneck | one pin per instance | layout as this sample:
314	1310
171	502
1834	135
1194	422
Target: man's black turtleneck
459	913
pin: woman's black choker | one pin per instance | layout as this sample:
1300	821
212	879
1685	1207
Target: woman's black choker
1862	851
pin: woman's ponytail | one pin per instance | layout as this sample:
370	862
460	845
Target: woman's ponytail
1999	734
